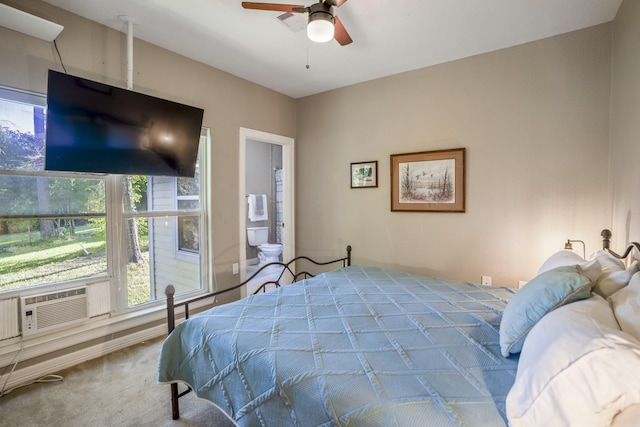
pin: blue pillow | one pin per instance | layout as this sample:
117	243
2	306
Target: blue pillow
544	293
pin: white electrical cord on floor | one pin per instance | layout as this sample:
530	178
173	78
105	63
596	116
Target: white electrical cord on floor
45	379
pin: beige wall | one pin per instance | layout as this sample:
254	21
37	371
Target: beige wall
534	119
96	52
625	125
535	122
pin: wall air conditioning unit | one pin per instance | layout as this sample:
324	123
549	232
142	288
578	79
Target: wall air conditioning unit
54	310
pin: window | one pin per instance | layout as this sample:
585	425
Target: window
52	225
58	228
173	223
188	229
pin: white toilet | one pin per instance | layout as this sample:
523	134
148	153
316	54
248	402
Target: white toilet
267	252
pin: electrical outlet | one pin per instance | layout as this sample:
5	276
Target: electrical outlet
235	268
486	280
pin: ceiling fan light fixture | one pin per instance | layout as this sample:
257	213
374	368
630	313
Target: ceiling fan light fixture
320	28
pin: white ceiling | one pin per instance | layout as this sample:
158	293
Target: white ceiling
389	37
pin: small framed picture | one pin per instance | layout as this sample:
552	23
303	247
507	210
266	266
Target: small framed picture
364	174
430	181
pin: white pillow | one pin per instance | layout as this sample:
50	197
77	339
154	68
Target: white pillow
626	306
612	280
577	368
565	258
608	261
561	258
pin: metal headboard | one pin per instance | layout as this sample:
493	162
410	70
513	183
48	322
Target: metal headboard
606	243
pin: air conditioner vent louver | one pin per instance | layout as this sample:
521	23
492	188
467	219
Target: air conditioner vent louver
46	312
54	296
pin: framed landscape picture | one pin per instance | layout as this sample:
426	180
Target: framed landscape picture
429	181
364	174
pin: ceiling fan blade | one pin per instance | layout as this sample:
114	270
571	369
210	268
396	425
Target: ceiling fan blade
292	8
340	33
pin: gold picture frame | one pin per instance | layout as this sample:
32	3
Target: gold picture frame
428	181
364	174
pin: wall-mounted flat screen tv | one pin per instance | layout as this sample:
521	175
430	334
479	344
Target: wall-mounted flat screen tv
94	127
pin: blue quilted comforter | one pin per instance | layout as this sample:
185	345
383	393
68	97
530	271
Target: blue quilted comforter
358	346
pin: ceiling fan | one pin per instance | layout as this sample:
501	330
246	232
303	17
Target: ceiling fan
323	24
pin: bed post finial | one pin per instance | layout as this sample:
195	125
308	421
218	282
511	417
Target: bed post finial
606	238
170	291
348	255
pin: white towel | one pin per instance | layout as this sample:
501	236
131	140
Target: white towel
257	207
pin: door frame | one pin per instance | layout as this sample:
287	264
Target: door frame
288	219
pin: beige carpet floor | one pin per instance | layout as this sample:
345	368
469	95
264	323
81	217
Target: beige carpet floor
119	389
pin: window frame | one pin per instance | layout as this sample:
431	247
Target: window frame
40	100
180	253
115	218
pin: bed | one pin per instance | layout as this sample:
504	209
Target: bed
363	346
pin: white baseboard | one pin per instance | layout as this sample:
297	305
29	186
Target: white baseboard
113	329
51	366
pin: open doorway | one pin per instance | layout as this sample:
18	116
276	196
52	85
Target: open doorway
271	157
